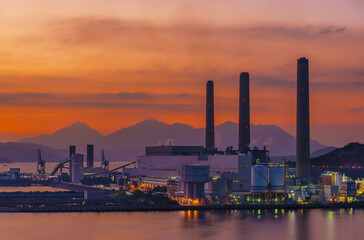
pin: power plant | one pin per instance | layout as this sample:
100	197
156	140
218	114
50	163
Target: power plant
162	164
303	165
248	170
204	174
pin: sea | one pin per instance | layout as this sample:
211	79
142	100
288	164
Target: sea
277	224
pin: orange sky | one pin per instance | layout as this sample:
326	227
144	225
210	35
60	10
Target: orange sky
114	63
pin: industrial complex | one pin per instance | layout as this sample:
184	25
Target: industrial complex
205	175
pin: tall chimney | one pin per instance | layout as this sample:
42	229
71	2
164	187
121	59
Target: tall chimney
72	151
303	120
210	125
244	112
90	156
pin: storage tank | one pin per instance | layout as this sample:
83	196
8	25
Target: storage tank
276	178
259	178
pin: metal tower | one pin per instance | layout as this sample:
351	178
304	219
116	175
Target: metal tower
104	163
40	164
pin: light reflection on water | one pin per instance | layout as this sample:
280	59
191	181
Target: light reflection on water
255	224
276	224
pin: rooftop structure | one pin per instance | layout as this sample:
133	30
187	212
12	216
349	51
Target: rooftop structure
173	150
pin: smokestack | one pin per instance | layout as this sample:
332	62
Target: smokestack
90	156
244	112
210	125
72	152
303	165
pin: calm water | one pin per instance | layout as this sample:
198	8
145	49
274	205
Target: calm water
313	224
302	225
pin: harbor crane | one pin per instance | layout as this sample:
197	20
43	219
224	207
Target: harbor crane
104	162
40	164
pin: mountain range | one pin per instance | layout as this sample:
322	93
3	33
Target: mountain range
127	143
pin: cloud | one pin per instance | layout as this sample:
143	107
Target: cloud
331	29
282	82
360	109
93	30
100	100
354	85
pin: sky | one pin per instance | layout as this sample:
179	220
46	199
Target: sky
114	63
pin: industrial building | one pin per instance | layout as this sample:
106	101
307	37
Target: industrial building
77	170
77	167
194	178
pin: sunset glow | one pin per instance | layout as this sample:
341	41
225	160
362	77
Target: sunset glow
116	63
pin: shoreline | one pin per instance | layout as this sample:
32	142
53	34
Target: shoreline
154	208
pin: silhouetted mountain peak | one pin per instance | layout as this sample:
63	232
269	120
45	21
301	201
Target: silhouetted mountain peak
78	127
148	123
76	133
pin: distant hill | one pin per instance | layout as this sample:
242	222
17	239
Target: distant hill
322	151
351	155
5	160
127	143
292	158
75	134
28	152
